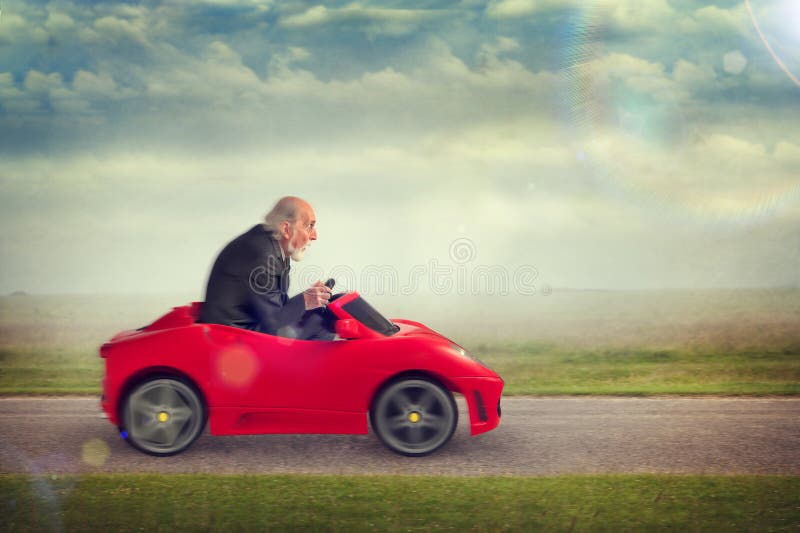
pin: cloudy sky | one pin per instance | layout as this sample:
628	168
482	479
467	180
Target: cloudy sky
624	144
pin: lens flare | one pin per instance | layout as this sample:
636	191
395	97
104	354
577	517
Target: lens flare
764	40
237	366
49	490
734	62
95	452
638	129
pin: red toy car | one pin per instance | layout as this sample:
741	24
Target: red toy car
163	381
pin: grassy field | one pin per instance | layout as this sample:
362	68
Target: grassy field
314	503
726	342
543	369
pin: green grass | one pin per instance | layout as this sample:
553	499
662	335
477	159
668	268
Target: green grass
128	502
50	370
535	368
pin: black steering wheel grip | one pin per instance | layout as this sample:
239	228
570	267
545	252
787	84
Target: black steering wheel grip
330	284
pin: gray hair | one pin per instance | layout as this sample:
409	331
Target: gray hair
285	209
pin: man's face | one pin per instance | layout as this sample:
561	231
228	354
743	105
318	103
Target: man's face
301	233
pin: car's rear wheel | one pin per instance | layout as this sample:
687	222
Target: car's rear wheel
414	416
162	416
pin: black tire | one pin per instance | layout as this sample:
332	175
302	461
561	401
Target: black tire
162	416
414	416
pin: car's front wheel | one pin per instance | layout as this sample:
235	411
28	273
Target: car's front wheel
414	416
162	416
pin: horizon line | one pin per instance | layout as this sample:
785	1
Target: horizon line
23	293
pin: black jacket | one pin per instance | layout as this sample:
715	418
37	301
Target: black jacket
248	283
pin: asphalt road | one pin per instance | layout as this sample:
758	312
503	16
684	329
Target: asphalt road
538	436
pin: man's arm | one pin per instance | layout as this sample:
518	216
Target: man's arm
273	314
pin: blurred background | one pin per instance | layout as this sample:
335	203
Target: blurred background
472	164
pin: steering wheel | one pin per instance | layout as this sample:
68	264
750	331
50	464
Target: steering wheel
330	283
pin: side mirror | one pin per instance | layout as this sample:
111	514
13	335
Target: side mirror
348	328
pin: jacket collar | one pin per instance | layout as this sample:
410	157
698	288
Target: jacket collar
279	251
276	247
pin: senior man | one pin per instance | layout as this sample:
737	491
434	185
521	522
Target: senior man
249	280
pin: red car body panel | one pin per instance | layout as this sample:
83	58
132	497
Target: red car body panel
254	383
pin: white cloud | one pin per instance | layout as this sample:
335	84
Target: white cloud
789	154
265	4
218	79
40	83
14	100
637	15
628	66
115	30
503	143
93	85
58	23
297	53
714	19
374	20
687	82
66	101
314	16
721	147
721	175
14	28
128	11
490	52
521	8
645	77
439	84
282	62
40	87
511	8
693	76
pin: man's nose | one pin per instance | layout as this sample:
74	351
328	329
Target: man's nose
313	234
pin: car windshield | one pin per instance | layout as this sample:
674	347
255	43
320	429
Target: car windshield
370	317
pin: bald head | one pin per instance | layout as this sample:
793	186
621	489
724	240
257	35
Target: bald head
287	209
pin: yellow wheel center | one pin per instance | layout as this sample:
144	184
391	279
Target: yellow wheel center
163	417
414	417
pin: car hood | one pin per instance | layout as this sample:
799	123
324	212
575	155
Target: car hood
409	328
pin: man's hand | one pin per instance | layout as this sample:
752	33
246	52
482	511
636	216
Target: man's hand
317	296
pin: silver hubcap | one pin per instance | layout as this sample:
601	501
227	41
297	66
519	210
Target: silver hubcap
163	416
414	416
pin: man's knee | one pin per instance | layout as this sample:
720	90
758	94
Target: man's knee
317	324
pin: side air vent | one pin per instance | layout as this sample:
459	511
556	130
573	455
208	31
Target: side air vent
481	406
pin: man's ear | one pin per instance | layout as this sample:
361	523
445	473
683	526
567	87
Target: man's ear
285	229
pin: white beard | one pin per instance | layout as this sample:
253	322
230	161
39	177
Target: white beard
297	253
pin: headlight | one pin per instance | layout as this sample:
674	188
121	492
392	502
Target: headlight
462	352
